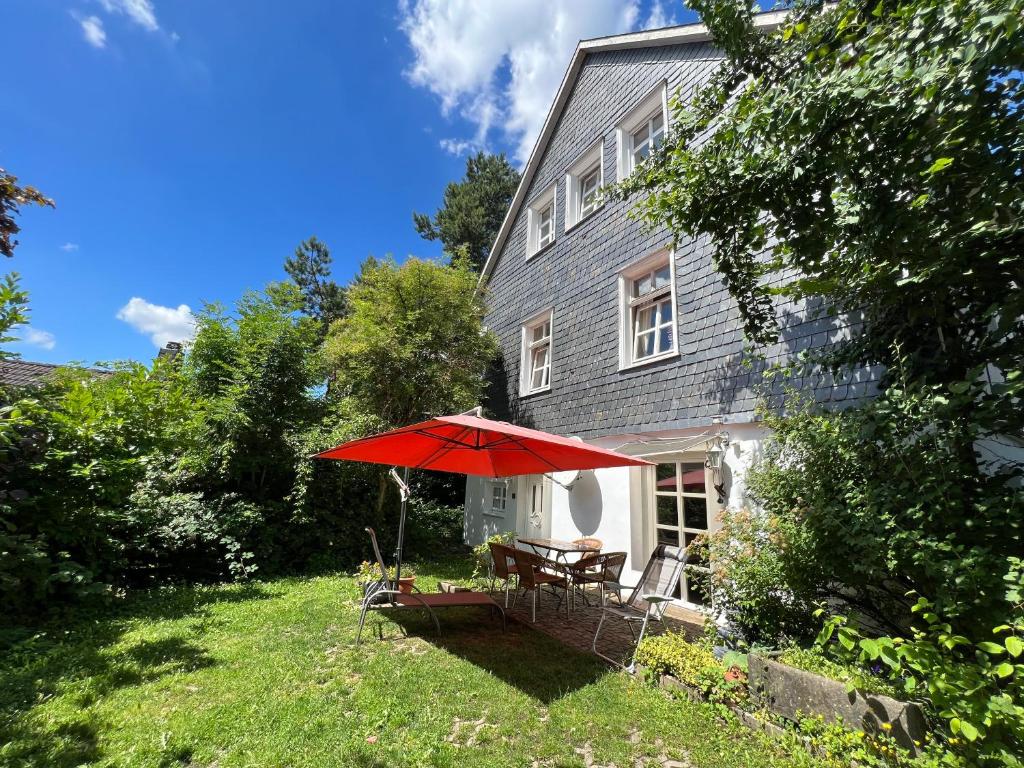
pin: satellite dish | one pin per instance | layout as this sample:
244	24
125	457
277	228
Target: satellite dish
570	477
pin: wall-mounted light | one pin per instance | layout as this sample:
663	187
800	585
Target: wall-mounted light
715	461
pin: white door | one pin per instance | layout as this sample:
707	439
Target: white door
683	511
532	524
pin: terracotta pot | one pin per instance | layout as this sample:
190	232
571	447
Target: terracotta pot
405	584
734	674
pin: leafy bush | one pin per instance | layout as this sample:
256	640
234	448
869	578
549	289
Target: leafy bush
691	663
433	529
759	581
876	501
976	686
836	745
76	450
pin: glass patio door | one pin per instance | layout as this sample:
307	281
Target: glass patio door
681	515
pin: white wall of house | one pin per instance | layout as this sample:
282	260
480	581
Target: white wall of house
615	505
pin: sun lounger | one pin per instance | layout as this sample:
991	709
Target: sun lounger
385	594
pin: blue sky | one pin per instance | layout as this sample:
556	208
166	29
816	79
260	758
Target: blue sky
190	145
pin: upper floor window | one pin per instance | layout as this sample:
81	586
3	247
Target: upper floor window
535	363
646	138
583	182
642	131
541	222
647	295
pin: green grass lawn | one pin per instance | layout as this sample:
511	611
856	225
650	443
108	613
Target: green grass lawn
267	674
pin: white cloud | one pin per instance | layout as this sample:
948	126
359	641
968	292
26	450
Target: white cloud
141	12
36	337
499	63
93	32
660	16
163	324
459	146
69	247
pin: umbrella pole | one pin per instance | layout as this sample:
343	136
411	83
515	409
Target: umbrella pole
401	526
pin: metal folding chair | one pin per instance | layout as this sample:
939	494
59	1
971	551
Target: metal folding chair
649	598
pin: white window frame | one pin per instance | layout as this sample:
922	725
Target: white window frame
549	197
529	347
592	160
489	509
654	103
628	306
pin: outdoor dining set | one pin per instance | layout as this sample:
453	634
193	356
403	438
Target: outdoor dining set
566	568
469	444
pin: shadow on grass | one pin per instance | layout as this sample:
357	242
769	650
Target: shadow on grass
538	665
75	651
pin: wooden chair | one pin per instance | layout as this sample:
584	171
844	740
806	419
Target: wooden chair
503	570
601	568
532	578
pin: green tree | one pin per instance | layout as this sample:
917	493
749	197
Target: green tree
12	197
310	269
257	369
473	208
414	344
867	158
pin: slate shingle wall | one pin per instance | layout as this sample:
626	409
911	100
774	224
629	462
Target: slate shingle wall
578	277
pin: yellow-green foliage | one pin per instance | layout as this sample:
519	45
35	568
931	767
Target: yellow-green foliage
673	654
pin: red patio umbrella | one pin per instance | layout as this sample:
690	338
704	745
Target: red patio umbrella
471	445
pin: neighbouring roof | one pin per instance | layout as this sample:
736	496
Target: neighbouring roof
23	373
686	33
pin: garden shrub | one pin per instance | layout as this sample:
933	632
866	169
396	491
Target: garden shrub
691	663
760	579
433	529
975	686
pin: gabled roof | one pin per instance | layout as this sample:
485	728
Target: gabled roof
686	33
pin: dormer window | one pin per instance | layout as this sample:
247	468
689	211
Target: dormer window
541	221
583	182
642	131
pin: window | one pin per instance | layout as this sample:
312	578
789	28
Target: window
642	131
541	222
645	138
499	498
648	311
535	365
583	182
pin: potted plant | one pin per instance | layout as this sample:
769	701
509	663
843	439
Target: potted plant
369	573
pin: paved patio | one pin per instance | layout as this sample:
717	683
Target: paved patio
578	630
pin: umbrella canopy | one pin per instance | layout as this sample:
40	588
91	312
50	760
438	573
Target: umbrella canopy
470	445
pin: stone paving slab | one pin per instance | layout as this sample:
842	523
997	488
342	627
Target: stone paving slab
577	631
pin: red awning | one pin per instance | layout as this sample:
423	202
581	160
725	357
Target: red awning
470	445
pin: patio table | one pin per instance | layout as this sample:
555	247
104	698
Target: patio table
561	549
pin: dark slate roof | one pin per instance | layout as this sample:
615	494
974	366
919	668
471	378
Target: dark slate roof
23	373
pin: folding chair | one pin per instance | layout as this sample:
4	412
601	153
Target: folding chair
649	598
